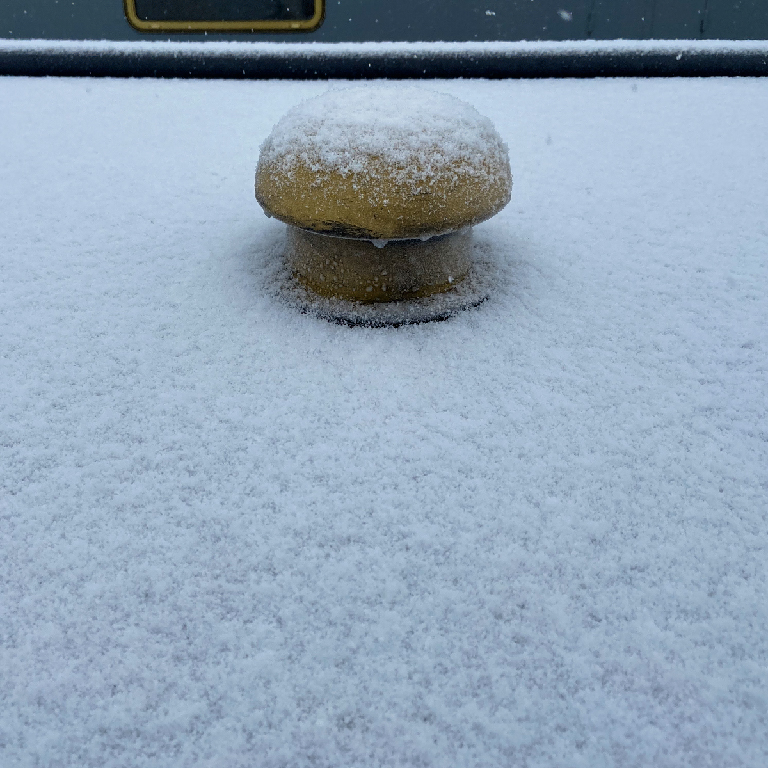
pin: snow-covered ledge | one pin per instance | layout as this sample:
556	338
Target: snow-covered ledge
654	58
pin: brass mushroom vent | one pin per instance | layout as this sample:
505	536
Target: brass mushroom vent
380	187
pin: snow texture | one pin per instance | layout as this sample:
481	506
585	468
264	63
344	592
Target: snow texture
235	535
417	134
293	50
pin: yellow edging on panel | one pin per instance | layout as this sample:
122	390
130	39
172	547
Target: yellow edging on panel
289	25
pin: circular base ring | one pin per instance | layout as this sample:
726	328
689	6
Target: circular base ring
473	290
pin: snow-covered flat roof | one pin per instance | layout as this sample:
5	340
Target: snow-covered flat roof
235	535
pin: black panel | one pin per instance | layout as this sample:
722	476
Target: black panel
224	10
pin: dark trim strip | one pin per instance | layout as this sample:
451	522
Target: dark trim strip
396	63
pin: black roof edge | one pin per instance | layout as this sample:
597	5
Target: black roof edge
396	62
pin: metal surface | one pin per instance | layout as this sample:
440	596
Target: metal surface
423	20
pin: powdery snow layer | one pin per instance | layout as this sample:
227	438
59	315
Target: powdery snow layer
234	535
294	50
420	133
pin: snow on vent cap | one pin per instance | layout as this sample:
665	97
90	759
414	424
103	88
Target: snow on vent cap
383	162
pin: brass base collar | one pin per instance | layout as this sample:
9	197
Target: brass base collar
359	270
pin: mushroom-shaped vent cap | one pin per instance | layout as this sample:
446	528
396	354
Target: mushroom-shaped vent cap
383	163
